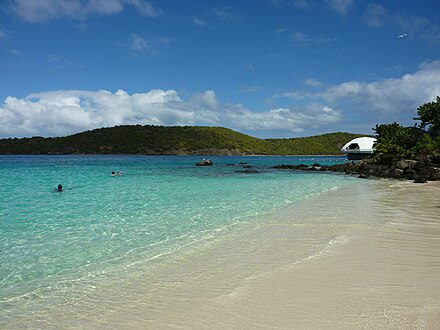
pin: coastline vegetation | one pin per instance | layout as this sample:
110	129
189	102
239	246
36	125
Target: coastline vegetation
395	142
174	140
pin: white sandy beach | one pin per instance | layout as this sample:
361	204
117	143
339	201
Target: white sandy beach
363	257
379	270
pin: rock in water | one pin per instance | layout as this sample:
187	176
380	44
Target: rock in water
205	162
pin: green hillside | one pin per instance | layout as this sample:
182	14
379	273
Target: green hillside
174	140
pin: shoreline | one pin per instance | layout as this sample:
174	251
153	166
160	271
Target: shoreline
360	275
366	257
180	155
377	271
421	171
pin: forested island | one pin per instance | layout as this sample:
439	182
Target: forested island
174	140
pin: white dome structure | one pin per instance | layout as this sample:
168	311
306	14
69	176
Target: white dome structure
359	148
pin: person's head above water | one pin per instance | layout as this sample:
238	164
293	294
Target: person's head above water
60	187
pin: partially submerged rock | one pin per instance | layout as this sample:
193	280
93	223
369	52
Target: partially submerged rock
205	162
248	171
409	169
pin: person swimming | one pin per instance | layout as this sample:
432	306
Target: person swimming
60	188
113	173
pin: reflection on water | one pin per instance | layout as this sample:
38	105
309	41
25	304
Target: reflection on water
366	256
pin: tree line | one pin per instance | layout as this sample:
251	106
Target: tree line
395	142
174	140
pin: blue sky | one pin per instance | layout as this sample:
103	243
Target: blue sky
268	68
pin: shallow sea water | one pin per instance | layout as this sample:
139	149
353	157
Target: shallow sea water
173	246
66	256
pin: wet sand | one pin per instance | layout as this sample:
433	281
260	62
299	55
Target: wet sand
365	257
385	277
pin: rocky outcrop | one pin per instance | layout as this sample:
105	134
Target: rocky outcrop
205	162
248	171
419	170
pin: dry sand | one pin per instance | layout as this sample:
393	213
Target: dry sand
378	269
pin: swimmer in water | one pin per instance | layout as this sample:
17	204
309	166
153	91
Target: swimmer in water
60	188
113	173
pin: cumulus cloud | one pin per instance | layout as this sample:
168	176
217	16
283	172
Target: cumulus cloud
59	113
292	119
66	112
390	95
349	104
41	11
394	99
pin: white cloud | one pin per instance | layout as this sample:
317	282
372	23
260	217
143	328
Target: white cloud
2	34
340	6
199	21
296	95
41	11
292	119
313	82
103	7
138	44
65	112
206	100
300	38
302	4
144	8
150	45
59	113
249	89
224	13
395	95
375	15
393	99
16	52
349	104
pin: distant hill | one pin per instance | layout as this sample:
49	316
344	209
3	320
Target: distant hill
174	140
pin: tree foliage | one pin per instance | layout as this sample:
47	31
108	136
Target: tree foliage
429	115
395	142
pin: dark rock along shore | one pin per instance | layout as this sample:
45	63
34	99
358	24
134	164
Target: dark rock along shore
419	170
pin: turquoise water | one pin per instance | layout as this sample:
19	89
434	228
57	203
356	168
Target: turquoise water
54	245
